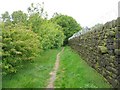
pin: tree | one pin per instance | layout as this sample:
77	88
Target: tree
18	46
51	35
39	9
19	17
37	16
5	16
69	25
34	22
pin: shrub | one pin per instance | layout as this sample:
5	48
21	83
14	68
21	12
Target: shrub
19	45
69	25
50	35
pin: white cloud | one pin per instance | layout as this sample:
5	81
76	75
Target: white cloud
86	12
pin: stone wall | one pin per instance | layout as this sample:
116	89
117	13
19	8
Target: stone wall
100	48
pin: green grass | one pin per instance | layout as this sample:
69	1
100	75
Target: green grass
75	73
33	75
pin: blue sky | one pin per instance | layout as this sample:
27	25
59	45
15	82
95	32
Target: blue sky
86	12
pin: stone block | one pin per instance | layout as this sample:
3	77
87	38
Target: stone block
111	47
108	25
117	51
117	45
112	58
117	35
114	23
112	81
110	40
117	28
115	63
111	33
111	69
111	52
102	49
117	41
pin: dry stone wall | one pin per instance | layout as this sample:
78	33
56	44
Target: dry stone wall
100	48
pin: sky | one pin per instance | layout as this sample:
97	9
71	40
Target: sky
85	12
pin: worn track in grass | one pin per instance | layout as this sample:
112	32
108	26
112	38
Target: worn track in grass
55	69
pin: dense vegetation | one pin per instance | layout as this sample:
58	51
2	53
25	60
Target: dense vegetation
75	74
29	43
69	25
26	35
33	75
18	45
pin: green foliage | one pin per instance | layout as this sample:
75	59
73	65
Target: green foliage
26	34
19	45
51	35
69	25
6	16
19	17
34	22
37	9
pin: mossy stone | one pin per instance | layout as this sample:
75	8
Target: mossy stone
112	64
111	33
103	49
118	28
112	58
108	72
117	51
117	35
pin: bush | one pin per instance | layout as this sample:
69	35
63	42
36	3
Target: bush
50	35
69	25
19	45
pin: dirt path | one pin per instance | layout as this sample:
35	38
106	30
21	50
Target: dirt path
53	73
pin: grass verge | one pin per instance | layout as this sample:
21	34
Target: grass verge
75	73
33	75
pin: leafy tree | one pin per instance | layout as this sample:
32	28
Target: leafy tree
39	9
18	45
5	17
51	35
19	17
35	22
37	16
69	25
25	35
